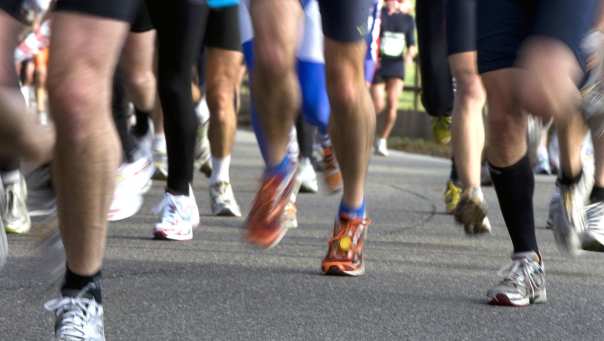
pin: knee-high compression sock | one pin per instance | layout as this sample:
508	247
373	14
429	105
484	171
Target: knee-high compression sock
515	185
119	105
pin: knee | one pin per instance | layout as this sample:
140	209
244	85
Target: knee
343	84
141	81
273	61
220	100
470	89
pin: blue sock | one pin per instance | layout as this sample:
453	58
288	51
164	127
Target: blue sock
358	212
280	168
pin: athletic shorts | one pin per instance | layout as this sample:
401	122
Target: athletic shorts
122	10
388	70
142	21
503	25
12	8
222	29
345	20
461	26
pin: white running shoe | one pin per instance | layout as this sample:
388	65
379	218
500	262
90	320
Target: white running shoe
160	158
133	180
592	239
78	318
14	211
203	155
381	147
223	200
523	284
179	215
309	183
571	220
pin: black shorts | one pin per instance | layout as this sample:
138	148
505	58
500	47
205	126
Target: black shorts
461	26
222	29
503	25
12	8
122	10
142	21
388	70
345	20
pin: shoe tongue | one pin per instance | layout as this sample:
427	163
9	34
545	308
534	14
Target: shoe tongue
532	255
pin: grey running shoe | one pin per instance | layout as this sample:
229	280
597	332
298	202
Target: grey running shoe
592	239
78	318
223	200
523	284
160	158
555	207
41	198
571	222
472	212
14	214
3	240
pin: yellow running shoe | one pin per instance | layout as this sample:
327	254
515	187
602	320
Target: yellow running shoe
452	196
441	128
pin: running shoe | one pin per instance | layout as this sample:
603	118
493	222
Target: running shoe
592	239
381	147
41	197
555	207
78	317
133	180
471	212
345	247
571	221
441	128
331	170
179	215
160	158
223	200
14	214
290	216
3	239
307	177
452	196
264	223
523	284
203	155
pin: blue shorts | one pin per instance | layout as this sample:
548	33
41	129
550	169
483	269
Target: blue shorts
12	7
503	26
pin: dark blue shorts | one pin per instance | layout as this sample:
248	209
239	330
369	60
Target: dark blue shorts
12	7
503	25
461	26
121	10
345	20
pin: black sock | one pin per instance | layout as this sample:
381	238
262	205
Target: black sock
515	186
453	175
569	180
141	128
74	283
597	194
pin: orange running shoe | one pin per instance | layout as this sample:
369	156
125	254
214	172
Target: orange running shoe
345	253
333	176
264	223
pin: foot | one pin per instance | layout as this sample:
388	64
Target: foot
381	147
471	212
264	223
78	317
160	159
223	200
524	283
133	180
441	128
452	196
592	239
179	214
345	250
14	212
202	150
307	177
571	220
331	170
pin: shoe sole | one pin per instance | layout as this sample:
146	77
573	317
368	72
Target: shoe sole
504	300
226	213
591	243
160	235
17	230
335	270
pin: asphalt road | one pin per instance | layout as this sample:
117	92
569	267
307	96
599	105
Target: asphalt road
425	280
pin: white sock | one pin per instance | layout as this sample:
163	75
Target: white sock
10	177
220	169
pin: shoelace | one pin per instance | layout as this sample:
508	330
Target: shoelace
169	210
74	312
518	272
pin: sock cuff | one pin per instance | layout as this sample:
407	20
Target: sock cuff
519	165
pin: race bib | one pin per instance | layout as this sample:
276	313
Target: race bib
392	44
